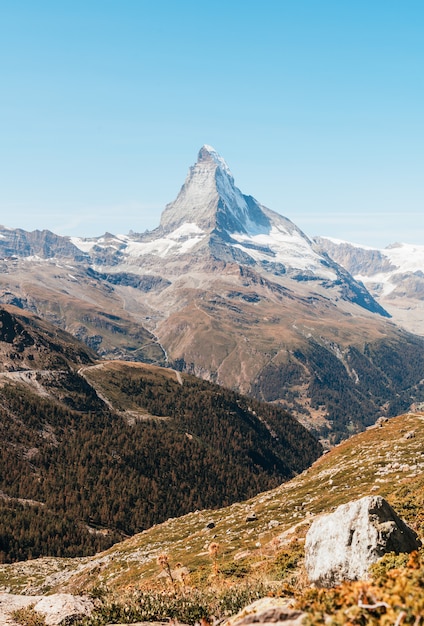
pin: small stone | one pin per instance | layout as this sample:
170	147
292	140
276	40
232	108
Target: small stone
267	611
210	525
251	517
409	435
381	420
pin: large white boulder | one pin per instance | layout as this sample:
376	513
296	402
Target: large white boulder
342	545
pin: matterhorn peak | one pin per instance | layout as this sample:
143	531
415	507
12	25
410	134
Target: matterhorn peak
207	153
210	200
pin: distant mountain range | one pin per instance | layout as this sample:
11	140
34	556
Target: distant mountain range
393	275
230	291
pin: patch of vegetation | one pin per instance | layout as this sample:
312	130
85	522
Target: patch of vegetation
187	606
27	616
393	597
387	380
287	560
30	531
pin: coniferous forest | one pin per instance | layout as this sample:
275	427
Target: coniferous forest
76	475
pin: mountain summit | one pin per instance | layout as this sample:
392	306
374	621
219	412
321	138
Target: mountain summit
210	200
211	217
211	223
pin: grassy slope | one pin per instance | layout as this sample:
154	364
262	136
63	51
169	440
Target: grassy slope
379	461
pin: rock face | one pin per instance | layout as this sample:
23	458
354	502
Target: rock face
41	243
341	546
63	606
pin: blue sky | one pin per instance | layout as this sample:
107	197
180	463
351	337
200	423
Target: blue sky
317	106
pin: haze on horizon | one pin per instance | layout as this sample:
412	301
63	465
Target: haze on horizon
316	107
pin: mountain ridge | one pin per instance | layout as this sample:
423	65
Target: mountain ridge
394	275
256	308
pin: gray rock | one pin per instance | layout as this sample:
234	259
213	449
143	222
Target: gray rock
342	545
267	611
409	435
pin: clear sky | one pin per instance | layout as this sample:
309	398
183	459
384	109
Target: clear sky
316	105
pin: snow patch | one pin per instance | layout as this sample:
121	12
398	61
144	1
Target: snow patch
342	242
287	248
85	245
179	241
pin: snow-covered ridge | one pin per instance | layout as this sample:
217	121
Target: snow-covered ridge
409	257
279	245
179	241
343	242
405	257
290	249
380	269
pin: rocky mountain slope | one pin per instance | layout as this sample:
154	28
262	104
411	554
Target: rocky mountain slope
91	452
393	275
29	343
60	287
230	291
261	540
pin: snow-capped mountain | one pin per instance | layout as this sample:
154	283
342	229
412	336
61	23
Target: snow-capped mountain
211	219
209	203
393	275
210	209
231	291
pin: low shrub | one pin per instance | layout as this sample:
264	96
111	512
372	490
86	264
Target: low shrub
28	616
186	606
